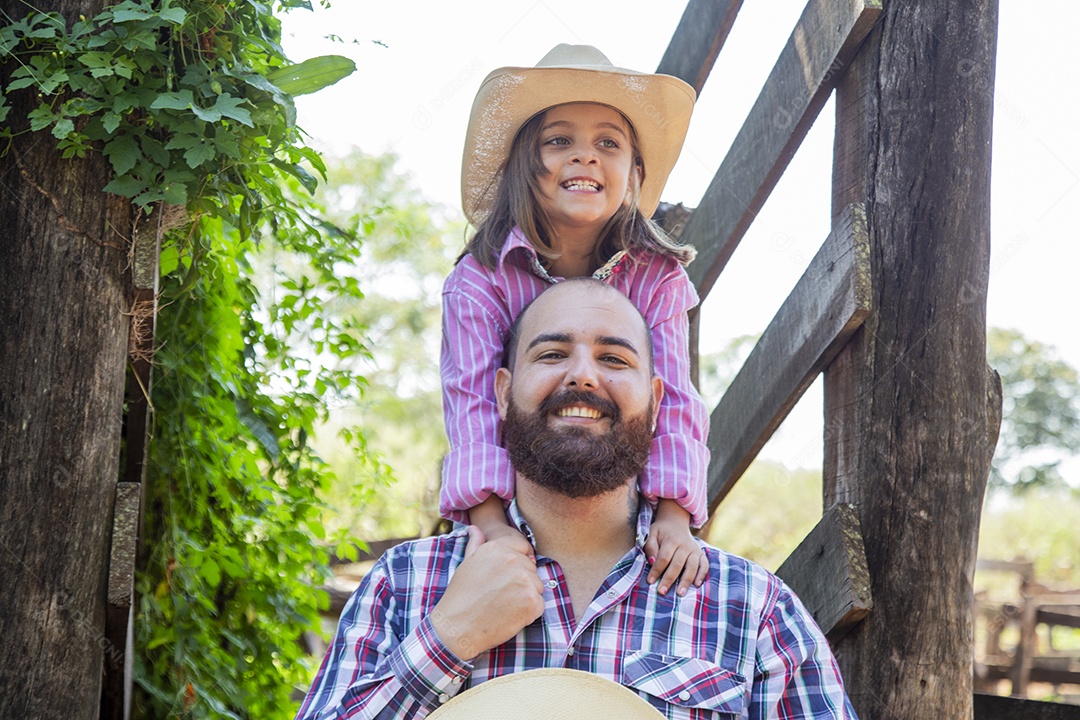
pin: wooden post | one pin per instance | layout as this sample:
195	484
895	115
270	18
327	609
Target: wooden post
64	300
909	415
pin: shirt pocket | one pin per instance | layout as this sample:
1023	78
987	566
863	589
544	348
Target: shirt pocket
686	682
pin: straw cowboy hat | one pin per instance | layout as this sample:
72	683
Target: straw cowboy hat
658	106
547	694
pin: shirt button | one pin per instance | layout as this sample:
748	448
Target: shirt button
444	698
684	695
611	593
570	651
456	680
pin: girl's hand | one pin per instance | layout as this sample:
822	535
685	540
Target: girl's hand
490	517
673	552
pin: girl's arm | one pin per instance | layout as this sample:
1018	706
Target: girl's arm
476	470
675	473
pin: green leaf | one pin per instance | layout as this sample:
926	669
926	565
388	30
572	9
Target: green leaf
110	121
260	430
198	154
40	117
311	75
123	152
128	11
174	15
306	179
208	115
211	572
125	185
229	106
63	128
181	100
168	260
175	194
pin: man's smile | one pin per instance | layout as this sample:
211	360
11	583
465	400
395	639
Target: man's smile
580	411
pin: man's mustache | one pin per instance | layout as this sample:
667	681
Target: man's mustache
566	398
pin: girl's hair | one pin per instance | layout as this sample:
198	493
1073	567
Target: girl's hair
515	204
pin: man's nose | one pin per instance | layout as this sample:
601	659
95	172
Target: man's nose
581	374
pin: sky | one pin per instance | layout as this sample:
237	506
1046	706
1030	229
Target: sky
419	65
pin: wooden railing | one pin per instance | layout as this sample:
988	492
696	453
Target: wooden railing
828	570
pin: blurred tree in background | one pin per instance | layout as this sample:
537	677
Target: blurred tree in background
1040	424
409	248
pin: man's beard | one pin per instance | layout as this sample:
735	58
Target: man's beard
577	462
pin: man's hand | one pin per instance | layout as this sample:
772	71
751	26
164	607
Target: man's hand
494	593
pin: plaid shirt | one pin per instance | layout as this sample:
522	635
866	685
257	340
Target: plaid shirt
479	305
741	646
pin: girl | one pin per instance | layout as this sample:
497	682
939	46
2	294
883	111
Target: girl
563	165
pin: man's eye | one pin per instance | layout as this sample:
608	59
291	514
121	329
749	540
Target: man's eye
550	355
614	360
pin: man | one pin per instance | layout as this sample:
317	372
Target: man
578	400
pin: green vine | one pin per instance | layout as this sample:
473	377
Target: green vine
191	102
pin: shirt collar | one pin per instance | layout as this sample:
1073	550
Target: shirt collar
516	242
644	522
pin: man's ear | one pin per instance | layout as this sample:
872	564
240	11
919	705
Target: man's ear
657	396
502	391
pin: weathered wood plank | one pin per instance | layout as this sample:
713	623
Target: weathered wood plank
117	644
993	707
697	41
827	305
824	40
829	574
124	543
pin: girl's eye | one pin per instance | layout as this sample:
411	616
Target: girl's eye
558	140
610	144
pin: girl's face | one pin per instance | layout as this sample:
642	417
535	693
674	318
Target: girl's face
587	153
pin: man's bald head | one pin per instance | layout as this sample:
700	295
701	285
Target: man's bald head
569	295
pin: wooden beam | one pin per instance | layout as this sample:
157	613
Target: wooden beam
909	418
827	305
117	646
829	574
992	707
701	33
824	40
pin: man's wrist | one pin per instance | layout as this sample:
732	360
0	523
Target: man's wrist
429	670
450	637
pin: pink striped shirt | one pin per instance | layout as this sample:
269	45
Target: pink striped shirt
479	306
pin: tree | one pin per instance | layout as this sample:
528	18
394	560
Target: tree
1040	419
111	115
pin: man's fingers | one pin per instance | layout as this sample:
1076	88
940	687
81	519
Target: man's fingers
476	539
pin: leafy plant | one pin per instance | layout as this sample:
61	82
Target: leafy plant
191	103
190	100
239	549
